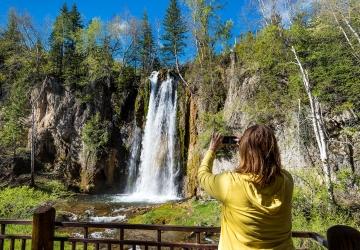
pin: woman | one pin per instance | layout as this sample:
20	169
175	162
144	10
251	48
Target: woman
256	198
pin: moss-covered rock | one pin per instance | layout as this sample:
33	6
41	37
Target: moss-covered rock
182	123
193	156
189	213
164	73
142	102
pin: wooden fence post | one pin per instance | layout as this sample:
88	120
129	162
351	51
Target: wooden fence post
43	228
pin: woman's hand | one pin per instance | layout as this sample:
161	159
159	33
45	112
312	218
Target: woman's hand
216	141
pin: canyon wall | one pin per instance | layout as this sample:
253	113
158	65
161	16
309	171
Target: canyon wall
60	118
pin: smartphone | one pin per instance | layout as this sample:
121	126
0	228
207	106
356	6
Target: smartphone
230	140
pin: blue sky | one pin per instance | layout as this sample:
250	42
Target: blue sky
44	12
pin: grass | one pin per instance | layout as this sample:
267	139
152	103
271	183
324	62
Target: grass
311	207
190	213
20	203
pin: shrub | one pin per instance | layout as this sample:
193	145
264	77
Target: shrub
20	202
95	134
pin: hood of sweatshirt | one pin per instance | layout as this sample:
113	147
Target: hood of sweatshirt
268	199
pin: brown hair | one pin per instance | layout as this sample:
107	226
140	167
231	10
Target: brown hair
341	237
259	154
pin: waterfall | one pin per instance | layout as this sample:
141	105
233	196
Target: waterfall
157	171
133	160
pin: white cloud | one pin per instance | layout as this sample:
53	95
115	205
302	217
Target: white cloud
119	26
285	8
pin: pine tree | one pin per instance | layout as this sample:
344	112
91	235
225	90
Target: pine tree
57	41
72	58
147	45
64	57
11	53
175	33
75	17
12	35
13	75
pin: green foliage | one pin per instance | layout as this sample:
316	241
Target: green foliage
333	69
65	59
57	40
268	56
202	213
12	128
142	102
224	34
147	46
215	123
126	85
20	202
206	74
245	49
95	134
54	188
175	33
98	62
12	37
127	80
311	211
346	180
208	28
22	63
212	123
192	213
165	214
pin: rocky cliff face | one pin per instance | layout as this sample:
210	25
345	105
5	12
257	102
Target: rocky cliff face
59	119
295	135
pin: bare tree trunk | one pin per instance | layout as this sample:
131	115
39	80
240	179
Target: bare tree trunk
14	149
350	146
181	77
263	11
355	53
32	178
351	28
319	129
33	133
298	124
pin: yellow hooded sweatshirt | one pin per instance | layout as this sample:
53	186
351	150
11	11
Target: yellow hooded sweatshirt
252	217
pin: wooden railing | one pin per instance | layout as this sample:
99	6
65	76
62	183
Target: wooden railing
44	226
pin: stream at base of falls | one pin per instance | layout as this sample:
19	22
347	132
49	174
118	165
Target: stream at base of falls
108	208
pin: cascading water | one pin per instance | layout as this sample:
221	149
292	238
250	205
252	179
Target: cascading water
156	174
133	160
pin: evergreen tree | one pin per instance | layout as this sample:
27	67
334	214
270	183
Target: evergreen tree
57	41
75	17
12	129
175	33
15	78
64	37
98	62
12	35
72	57
11	53
147	45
